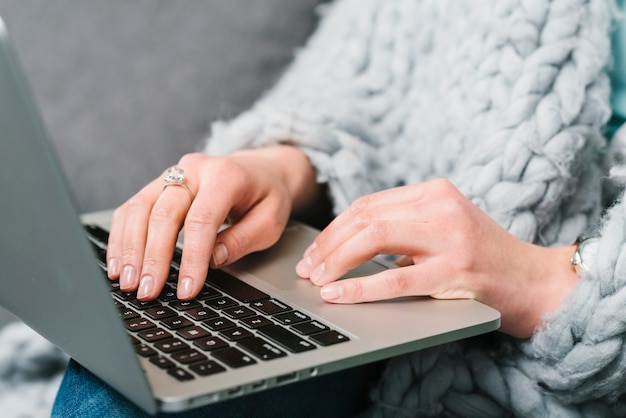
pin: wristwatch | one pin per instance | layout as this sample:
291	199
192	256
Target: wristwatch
585	252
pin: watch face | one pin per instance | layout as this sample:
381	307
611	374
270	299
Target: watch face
587	252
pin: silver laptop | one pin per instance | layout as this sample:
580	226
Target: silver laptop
255	326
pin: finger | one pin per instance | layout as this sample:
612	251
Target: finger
260	228
127	238
365	208
396	204
418	280
164	224
379	237
389	230
209	210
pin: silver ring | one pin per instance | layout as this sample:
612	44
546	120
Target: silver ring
176	177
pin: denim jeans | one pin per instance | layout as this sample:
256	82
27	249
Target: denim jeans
340	394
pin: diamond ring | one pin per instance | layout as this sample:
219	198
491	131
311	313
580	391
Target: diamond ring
176	177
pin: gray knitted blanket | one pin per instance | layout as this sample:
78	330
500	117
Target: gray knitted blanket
508	100
31	370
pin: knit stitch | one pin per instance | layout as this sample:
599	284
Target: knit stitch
508	100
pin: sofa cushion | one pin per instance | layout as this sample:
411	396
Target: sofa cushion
126	88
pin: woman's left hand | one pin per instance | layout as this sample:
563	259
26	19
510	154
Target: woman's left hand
451	250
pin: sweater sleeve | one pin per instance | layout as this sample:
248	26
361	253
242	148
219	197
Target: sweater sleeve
583	343
329	102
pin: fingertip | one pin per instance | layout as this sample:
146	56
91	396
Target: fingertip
113	268
186	289
332	292
146	287
220	255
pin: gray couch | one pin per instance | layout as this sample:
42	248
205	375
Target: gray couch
127	87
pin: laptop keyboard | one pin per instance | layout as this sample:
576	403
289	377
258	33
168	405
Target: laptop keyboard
230	324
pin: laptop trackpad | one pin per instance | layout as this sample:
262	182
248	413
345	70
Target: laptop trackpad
277	265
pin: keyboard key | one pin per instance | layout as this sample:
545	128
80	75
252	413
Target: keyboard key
217	324
293	317
208	292
207	368
176	322
121	295
167	294
144	304
160	312
221	302
238	312
256	322
183	305
189	356
98	233
145	351
210	343
270	306
311	327
192	333
233	357
235	334
162	362
200	314
138	324
261	348
329	338
286	338
127	313
152	335
170	346
180	374
241	291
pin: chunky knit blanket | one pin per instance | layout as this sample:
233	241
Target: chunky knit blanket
507	99
31	370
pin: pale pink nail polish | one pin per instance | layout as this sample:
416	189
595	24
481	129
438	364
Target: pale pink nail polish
185	288
128	278
113	268
331	292
145	287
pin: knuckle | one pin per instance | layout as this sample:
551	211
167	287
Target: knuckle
191	159
137	204
398	284
359	205
354	288
130	255
162	213
376	232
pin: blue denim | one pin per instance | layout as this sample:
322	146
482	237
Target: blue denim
340	394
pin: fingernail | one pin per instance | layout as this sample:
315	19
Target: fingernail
185	288
113	268
145	287
220	254
305	266
318	272
331	292
128	278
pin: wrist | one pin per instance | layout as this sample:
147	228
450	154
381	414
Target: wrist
553	280
292	167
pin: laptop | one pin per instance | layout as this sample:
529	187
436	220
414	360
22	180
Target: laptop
255	326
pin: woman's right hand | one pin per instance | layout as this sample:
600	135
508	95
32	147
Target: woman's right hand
254	190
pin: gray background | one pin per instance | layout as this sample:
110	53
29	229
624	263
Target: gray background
127	87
